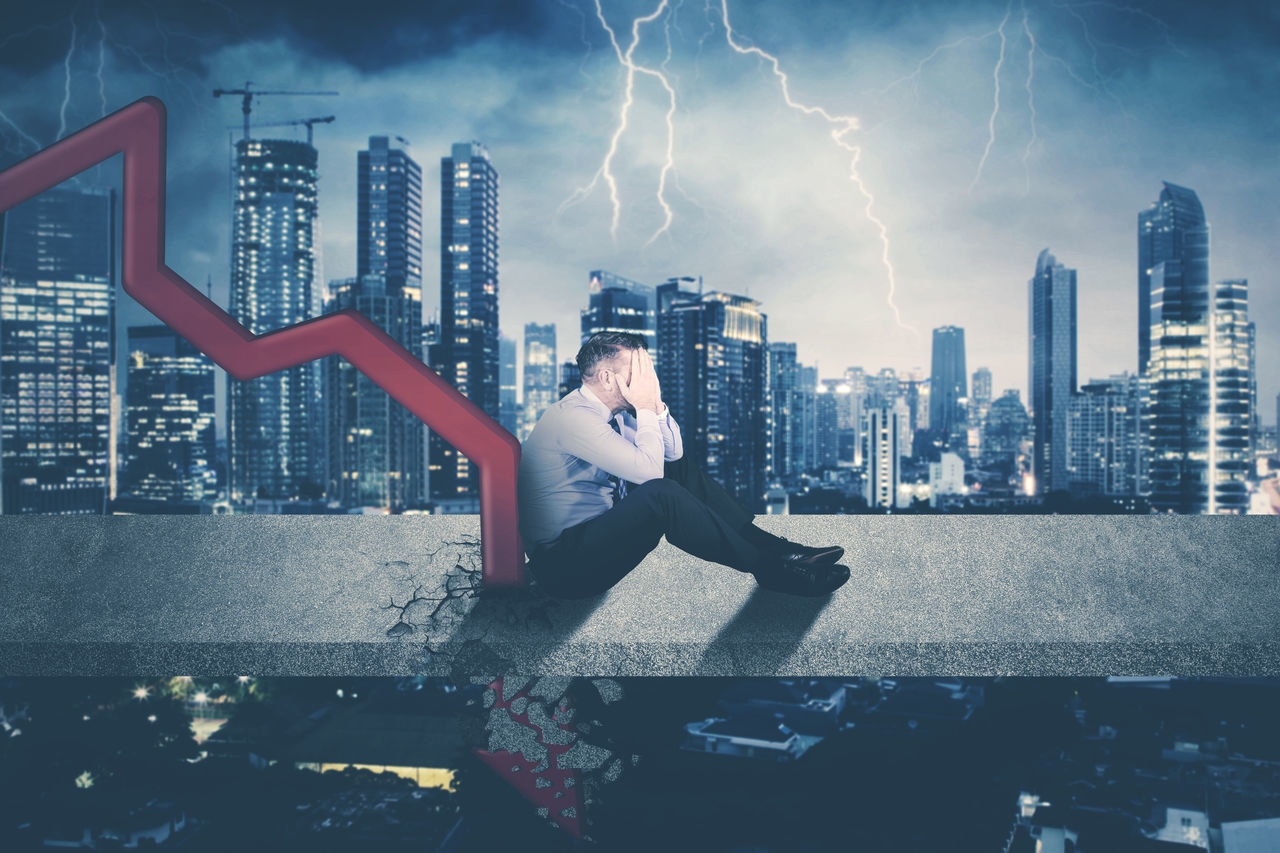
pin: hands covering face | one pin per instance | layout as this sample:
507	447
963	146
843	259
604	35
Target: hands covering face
643	391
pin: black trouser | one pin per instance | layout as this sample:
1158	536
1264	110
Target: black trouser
694	511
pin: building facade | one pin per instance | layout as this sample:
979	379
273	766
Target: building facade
57	353
169	419
1052	379
948	392
389	215
1006	429
884	456
713	369
1174	237
1233	394
617	304
785	454
376	447
1105	437
541	382
467	352
275	425
508	403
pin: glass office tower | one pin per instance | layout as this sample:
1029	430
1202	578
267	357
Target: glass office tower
57	353
275	428
467	352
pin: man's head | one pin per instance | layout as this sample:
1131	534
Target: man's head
604	359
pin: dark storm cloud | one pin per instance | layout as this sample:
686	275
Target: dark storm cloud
368	36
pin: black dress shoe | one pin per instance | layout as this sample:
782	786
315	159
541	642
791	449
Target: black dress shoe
798	553
797	578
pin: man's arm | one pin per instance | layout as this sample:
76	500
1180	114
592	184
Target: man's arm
633	459
672	443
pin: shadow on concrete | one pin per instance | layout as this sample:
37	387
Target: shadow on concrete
762	635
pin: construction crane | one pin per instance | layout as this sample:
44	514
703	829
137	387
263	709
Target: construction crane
248	95
307	121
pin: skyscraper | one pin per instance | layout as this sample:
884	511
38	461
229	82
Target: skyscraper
980	394
467	353
1105	437
275	428
828	403
805	449
57	353
170	418
948	386
1232	393
1173	238
375	445
1172	229
507	404
712	368
884	456
1052	296
784	377
389	215
617	304
541	384
1006	428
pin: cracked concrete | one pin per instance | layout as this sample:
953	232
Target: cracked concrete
400	595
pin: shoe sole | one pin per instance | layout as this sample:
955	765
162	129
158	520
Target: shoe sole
814	587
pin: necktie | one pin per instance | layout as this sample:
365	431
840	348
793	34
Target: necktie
619	484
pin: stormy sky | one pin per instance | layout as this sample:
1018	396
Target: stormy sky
969	136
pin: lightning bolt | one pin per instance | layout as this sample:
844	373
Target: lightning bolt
66	92
582	34
914	76
626	58
711	28
102	59
1141	13
22	133
995	110
841	126
1031	98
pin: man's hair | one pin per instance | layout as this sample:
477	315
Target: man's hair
603	346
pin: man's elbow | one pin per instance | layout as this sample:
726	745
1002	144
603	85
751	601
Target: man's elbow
650	475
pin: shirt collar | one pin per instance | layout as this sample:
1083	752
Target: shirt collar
595	401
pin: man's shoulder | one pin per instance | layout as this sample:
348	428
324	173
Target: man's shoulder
570	412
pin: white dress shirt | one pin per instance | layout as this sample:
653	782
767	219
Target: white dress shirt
566	462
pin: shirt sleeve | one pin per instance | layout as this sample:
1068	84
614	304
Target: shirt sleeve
672	444
636	457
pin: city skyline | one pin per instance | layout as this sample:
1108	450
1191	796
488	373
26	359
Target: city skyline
806	253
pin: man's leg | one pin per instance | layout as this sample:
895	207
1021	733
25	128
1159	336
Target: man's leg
727	507
717	497
704	488
593	556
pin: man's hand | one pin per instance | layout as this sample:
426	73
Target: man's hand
643	391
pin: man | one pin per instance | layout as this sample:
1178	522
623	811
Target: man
603	477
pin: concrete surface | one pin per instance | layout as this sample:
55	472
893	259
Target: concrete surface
396	595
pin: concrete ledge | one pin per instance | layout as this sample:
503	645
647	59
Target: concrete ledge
378	595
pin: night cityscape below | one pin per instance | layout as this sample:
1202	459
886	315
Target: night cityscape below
1116	764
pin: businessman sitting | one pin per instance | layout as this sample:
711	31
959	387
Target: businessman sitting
603	477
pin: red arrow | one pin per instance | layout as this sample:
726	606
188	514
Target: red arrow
138	132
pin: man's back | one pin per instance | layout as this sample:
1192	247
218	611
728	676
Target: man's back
557	489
